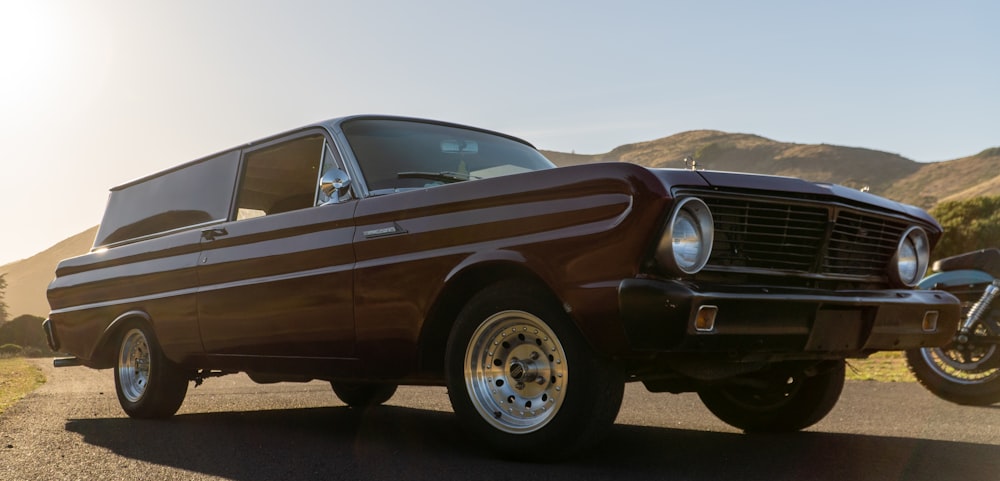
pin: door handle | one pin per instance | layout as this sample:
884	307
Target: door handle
211	234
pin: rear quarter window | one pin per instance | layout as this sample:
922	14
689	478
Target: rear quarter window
196	193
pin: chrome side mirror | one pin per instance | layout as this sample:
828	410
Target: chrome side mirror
334	184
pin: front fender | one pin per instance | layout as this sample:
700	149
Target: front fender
945	280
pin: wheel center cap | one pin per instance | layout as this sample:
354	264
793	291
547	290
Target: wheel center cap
523	371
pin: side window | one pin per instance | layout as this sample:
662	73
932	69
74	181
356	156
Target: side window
330	165
280	178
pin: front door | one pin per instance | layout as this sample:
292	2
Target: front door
276	281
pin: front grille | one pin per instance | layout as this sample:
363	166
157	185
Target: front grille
861	244
790	235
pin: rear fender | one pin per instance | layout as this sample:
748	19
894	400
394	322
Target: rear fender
106	349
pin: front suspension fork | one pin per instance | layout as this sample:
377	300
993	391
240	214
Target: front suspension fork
977	311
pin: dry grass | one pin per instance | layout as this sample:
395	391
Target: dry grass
17	378
887	366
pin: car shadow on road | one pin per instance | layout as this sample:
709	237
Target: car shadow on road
402	443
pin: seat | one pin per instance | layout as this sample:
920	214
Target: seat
289	204
986	260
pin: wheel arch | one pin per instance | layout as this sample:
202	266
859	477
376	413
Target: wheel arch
106	350
460	286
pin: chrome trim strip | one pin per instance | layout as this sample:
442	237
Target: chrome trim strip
158	234
130	300
277	278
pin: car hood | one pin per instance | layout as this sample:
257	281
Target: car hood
758	182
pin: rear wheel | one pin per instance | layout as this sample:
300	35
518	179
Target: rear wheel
523	380
781	400
147	383
359	395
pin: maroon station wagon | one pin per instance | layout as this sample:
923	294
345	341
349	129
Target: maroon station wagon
375	251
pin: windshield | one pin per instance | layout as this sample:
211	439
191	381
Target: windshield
402	154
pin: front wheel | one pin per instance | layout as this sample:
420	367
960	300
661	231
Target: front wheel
783	399
148	384
966	374
521	378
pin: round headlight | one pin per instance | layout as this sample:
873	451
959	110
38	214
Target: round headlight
687	239
912	257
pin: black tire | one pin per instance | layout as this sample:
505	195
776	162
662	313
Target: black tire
358	395
522	379
148	384
793	401
955	380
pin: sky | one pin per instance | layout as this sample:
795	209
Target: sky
96	93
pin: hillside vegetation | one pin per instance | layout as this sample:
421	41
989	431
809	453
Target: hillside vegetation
889	175
958	179
28	278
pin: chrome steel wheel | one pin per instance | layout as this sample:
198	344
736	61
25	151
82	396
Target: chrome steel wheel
133	365
507	367
147	383
516	372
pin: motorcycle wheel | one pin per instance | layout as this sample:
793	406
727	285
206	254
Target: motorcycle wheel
966	374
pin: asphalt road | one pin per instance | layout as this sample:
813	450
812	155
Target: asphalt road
231	428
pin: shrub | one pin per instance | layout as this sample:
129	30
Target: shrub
969	225
25	331
32	351
10	350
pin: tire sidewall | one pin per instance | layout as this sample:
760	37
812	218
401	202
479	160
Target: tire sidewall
980	394
359	395
809	403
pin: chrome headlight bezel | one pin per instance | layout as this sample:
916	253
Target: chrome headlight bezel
686	242
912	256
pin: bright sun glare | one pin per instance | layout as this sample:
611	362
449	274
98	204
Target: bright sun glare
29	40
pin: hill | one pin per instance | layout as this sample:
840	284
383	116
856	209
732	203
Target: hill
889	175
952	180
28	278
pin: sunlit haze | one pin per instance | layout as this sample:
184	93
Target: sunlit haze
96	93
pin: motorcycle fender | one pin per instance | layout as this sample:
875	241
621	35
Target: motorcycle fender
964	277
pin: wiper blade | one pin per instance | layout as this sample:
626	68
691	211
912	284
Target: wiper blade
446	176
